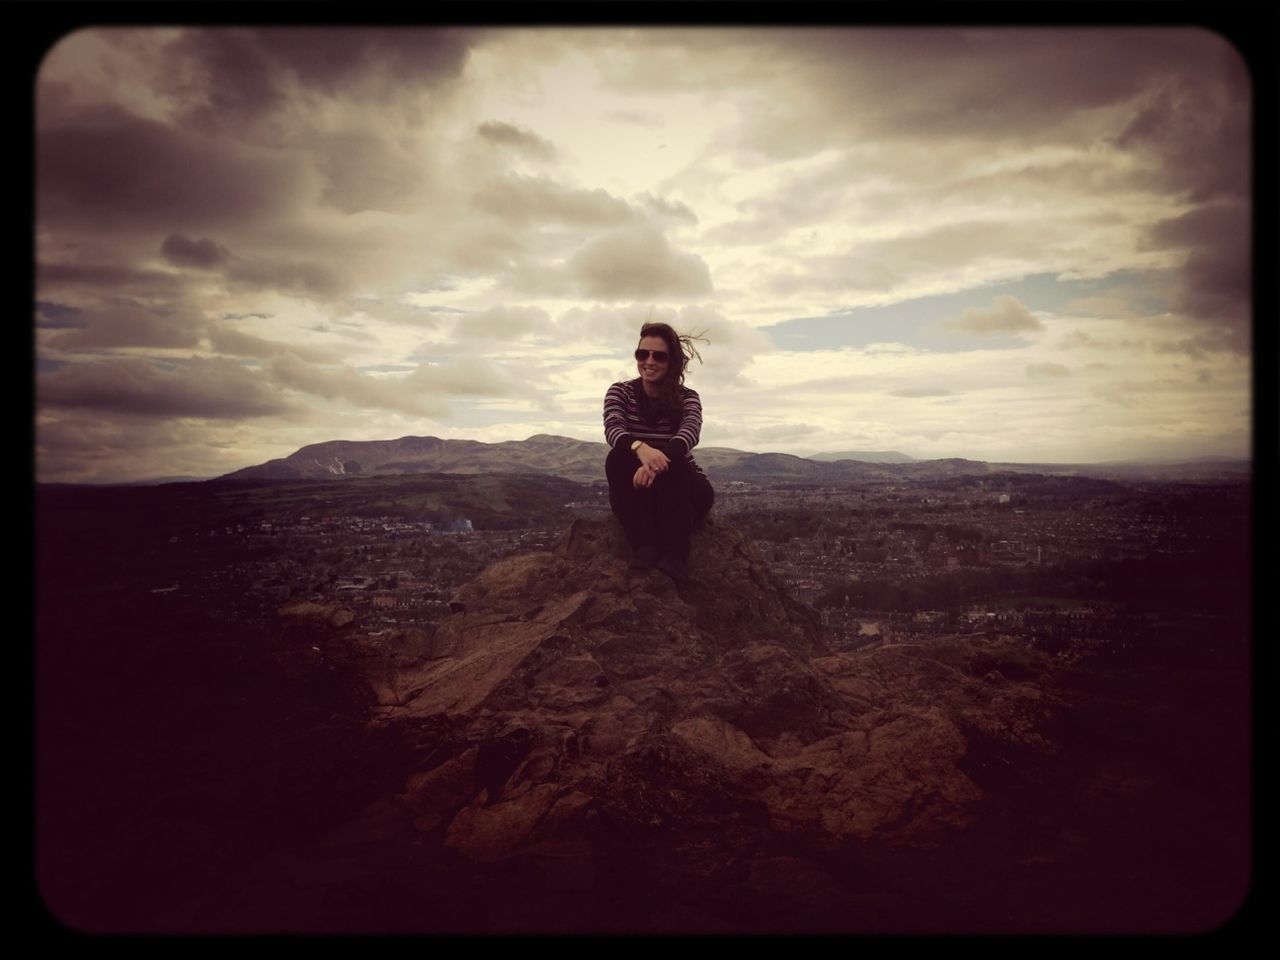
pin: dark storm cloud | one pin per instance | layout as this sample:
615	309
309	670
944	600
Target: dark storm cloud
206	388
108	279
1196	124
57	316
228	77
537	200
526	141
1210	225
921	84
1213	288
127	323
106	165
636	262
184	252
76	446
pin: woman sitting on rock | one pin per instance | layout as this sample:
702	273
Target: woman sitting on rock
651	424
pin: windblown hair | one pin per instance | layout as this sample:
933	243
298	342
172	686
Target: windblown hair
680	350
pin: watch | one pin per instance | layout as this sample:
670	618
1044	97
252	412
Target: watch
635	444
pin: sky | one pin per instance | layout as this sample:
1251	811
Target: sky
1018	245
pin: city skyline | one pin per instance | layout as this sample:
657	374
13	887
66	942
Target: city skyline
1017	245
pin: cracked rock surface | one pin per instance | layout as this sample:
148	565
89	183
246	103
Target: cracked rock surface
573	705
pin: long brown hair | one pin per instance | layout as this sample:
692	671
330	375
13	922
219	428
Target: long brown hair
680	350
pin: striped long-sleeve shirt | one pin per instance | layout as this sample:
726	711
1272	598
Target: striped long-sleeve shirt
629	415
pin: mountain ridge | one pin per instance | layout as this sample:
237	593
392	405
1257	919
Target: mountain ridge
582	461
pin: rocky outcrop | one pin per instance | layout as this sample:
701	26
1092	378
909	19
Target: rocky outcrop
571	701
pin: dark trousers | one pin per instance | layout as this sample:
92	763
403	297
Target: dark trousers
661	516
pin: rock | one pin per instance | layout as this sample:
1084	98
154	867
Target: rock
585	700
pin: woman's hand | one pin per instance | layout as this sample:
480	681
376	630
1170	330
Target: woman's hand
652	458
643	477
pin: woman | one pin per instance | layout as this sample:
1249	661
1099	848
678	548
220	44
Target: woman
651	424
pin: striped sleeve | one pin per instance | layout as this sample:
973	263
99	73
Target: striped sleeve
617	406
691	421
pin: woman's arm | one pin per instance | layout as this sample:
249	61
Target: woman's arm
691	421
615	419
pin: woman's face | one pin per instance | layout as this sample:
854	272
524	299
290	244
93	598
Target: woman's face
650	369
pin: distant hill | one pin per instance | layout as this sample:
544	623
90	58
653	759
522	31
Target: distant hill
583	461
544	454
868	456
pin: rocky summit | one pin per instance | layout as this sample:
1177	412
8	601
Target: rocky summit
697	744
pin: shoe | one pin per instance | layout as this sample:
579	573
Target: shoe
674	568
643	558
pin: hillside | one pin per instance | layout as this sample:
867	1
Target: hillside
583	462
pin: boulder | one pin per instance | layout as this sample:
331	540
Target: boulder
583	699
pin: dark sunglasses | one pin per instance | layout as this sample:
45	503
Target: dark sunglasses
659	356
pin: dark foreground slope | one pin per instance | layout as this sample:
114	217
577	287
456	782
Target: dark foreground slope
583	748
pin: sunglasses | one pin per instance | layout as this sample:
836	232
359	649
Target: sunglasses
659	356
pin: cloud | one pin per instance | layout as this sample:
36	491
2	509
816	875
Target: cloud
636	262
732	346
538	200
952	256
916	85
344	383
607	326
309	177
107	278
1005	315
664	209
364	168
524	141
1188	123
786	432
302	277
106	164
463	376
75	446
128	323
1213	285
206	388
239	344
503	323
920	392
1047	371
230	78
1078	339
405	314
58	316
1197	348
203	254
